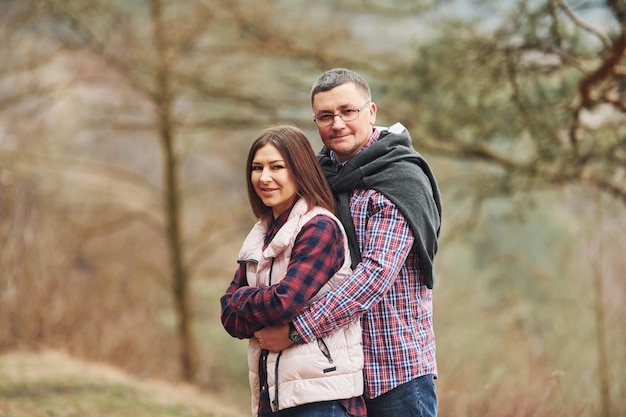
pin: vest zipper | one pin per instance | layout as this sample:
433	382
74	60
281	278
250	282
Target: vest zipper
324	348
271	270
275	403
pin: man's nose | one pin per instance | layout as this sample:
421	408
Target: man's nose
337	121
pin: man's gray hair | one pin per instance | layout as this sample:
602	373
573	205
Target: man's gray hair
339	76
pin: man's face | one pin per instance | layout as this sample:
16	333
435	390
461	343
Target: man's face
344	138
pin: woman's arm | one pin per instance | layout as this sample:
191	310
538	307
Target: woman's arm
235	325
318	253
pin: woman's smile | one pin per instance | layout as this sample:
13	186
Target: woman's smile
271	179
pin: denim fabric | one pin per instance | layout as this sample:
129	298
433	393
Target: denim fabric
319	409
416	398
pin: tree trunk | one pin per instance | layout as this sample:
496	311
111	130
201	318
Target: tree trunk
600	319
180	276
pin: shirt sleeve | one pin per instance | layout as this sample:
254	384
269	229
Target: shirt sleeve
387	241
235	325
317	255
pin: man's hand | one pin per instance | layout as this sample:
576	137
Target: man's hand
274	338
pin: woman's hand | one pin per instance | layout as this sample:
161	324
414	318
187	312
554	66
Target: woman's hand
274	338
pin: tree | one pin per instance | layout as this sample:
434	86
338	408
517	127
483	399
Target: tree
172	93
537	103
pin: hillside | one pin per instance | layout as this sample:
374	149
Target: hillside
53	384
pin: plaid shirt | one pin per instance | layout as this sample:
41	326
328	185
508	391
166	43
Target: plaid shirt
317	255
386	290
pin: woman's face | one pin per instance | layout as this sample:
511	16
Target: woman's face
271	179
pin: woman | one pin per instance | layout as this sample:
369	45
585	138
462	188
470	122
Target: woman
293	254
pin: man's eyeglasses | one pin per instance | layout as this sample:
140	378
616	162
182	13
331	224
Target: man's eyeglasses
347	115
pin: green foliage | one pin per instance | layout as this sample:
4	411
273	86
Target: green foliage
508	99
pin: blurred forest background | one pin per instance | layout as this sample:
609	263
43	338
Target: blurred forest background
124	126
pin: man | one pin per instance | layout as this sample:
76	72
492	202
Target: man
389	203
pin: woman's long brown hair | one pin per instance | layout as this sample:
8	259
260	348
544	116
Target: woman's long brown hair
304	169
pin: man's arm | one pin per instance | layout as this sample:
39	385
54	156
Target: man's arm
388	241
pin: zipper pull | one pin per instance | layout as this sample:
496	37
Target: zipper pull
326	352
324	349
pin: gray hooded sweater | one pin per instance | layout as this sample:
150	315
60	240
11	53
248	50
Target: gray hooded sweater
392	167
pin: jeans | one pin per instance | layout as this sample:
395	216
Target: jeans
319	409
416	398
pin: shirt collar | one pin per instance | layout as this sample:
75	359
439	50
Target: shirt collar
367	144
277	223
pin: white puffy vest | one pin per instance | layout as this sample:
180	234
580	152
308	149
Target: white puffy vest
325	369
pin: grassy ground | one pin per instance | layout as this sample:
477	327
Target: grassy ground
51	384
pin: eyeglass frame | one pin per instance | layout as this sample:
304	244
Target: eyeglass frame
331	121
